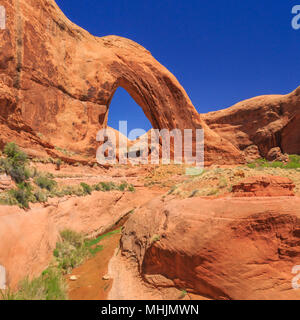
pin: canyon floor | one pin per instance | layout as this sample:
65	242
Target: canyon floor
230	232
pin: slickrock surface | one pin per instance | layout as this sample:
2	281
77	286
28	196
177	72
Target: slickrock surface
240	248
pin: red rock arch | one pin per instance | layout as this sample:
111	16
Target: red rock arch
64	79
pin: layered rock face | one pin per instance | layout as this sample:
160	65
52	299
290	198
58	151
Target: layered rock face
266	122
240	248
264	186
57	82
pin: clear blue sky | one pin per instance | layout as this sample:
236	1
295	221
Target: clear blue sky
221	51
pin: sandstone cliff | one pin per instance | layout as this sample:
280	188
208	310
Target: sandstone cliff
57	82
266	122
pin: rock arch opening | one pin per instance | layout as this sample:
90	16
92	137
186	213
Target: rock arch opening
122	107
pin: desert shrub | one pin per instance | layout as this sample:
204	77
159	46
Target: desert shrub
18	173
106	186
183	294
49	285
155	238
6	198
123	186
40	196
71	251
7	294
222	183
294	158
109	186
23	194
15	163
72	237
131	188
45	183
58	164
86	188
294	163
12	151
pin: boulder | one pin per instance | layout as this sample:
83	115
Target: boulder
275	154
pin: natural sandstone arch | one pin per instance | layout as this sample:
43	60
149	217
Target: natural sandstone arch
63	79
122	107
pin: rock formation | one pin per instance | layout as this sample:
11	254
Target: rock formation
266	122
264	186
28	240
57	82
230	248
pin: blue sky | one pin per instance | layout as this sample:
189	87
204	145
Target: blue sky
222	52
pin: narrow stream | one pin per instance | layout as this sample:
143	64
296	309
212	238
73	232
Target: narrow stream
90	284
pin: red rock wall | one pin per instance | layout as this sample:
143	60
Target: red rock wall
266	121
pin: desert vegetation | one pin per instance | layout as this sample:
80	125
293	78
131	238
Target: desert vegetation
219	181
293	163
71	251
33	186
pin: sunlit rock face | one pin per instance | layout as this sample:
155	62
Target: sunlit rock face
266	122
57	81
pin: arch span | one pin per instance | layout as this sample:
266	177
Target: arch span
65	94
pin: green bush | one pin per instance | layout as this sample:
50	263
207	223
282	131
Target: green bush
123	186
18	173
12	151
15	163
294	163
23	195
86	188
73	238
45	183
106	186
131	188
109	186
40	196
50	285
71	251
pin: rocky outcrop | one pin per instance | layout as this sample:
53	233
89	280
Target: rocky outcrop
266	122
242	248
57	82
264	186
275	154
29	238
6	182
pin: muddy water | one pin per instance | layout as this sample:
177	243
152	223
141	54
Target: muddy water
90	284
